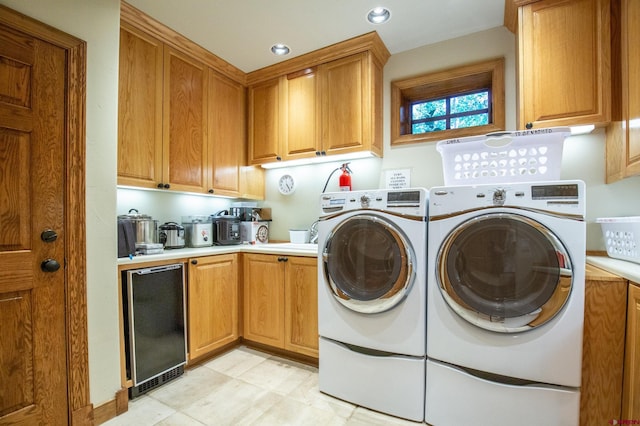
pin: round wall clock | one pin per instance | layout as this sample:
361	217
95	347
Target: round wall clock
286	184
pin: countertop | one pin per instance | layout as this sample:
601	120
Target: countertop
291	249
623	268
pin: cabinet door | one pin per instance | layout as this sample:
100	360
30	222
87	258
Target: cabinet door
212	303
301	305
564	79
302	138
605	302
263	299
185	111
344	82
631	83
139	109
265	122
226	134
631	389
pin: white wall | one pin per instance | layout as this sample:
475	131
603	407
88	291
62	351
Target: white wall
97	22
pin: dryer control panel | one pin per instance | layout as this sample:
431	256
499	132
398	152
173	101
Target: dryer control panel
559	197
411	201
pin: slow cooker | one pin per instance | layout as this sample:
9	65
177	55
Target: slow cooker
171	235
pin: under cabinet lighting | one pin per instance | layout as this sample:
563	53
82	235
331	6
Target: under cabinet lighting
581	130
319	159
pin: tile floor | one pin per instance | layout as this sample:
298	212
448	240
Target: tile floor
247	387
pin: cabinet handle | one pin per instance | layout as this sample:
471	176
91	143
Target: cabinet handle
323	152
160	185
529	126
194	261
210	191
282	259
166	186
318	154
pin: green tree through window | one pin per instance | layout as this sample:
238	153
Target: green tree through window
456	111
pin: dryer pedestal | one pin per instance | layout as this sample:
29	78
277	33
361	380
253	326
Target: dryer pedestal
385	383
492	403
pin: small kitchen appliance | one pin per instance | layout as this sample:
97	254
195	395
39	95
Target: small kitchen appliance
254	232
146	228
171	235
198	231
227	228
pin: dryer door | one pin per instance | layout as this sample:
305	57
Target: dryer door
368	263
504	272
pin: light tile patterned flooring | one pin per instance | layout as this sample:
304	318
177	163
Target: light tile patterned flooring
247	387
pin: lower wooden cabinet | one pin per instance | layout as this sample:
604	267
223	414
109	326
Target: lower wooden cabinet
631	388
603	347
212	303
281	302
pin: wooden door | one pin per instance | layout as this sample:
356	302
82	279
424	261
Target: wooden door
302	138
227	140
185	124
139	109
301	305
631	387
212	303
343	85
33	362
265	122
263	299
564	79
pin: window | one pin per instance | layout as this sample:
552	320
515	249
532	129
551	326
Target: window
457	102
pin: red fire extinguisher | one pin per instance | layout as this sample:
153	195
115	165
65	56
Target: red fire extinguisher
345	178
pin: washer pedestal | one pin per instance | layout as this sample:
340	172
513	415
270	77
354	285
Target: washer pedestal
381	382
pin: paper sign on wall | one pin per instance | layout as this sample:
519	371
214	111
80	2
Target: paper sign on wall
398	179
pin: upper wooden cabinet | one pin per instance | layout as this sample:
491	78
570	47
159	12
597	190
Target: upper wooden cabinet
623	134
182	114
184	135
140	109
323	103
564	60
226	133
161	115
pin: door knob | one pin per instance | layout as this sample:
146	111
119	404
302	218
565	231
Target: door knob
49	265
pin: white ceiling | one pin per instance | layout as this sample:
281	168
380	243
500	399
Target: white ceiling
242	31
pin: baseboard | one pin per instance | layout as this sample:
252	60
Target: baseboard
112	408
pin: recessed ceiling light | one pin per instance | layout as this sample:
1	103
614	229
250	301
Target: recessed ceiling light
280	49
379	15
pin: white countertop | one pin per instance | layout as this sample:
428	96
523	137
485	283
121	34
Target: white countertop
623	268
291	249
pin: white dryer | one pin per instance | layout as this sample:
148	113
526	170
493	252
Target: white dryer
505	304
372	298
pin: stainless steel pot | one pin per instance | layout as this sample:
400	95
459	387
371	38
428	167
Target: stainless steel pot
171	235
146	228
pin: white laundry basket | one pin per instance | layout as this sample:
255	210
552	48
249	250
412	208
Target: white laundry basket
621	237
519	156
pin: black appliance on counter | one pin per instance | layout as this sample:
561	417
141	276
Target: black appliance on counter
226	228
154	326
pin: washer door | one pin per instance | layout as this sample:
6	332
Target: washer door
504	272
368	264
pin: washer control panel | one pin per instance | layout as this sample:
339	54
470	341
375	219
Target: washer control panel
412	201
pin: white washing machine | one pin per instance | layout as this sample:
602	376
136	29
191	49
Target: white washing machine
505	304
372	298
